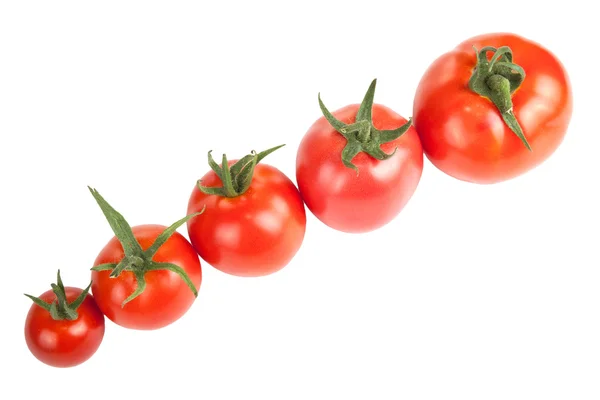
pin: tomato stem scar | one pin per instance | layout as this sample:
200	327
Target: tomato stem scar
497	79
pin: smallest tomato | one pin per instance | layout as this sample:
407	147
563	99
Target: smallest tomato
64	327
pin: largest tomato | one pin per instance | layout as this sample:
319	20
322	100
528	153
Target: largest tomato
359	166
493	108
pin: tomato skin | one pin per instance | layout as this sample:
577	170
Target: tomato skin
254	234
341	199
166	297
463	134
64	343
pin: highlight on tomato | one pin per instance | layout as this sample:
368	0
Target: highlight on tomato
145	277
254	220
493	108
64	327
359	166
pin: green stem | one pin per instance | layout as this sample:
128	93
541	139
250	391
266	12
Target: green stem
497	79
363	133
136	260
60	309
236	179
118	224
227	179
362	136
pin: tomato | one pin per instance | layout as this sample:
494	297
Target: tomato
474	135
358	167
255	227
64	327
145	277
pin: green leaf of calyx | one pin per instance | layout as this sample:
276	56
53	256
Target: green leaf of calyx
60	282
265	153
77	302
104	267
140	277
361	135
39	302
119	225
244	178
135	260
154	266
333	121
237	178
227	178
60	309
214	166
167	233
241	163
497	79
366	107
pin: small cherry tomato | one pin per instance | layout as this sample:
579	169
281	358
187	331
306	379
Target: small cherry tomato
64	326
145	277
254	222
358	167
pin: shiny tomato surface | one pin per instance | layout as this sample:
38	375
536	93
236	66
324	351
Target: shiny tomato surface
351	202
64	343
254	234
463	133
166	297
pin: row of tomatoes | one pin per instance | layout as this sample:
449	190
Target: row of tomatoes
491	109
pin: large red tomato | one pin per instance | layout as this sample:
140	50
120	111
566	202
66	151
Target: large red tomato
145	277
64	327
359	166
493	108
254	221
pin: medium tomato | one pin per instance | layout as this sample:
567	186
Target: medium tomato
493	108
359	166
145	277
64	327
254	221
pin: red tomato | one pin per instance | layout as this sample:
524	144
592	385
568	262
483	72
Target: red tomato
255	232
166	297
145	277
364	200
64	343
464	133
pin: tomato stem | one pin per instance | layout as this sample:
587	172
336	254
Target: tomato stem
497	79
60	309
362	136
236	179
136	260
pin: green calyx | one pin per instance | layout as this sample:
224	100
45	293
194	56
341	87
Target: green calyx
497	79
136	260
362	135
236	178
60	309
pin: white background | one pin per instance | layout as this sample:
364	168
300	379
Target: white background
473	292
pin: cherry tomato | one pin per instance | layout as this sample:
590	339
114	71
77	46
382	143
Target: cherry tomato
255	227
487	120
358	167
64	327
145	277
